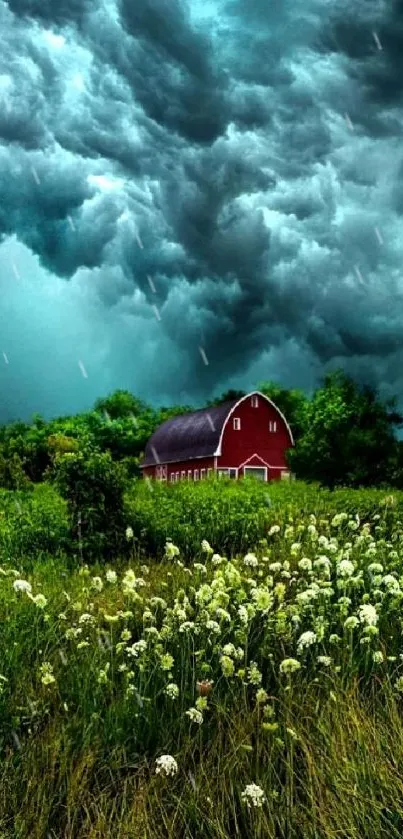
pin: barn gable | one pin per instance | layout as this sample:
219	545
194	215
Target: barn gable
239	402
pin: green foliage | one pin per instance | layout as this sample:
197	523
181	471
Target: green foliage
120	404
61	444
93	486
226	397
12	474
87	658
32	523
347	437
232	512
235	514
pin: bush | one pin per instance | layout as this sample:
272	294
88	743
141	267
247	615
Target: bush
93	486
32	522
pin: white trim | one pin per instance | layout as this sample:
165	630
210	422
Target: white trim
259	458
248	396
252	468
181	460
228	469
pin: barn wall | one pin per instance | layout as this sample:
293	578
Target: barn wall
184	465
255	437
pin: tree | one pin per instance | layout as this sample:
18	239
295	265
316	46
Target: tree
226	397
93	486
347	437
120	404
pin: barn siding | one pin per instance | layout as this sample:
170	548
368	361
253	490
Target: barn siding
255	437
180	466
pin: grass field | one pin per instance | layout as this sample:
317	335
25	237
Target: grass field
242	680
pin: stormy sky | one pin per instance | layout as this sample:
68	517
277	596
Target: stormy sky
197	195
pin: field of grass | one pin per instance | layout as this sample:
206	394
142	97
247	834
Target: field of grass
239	673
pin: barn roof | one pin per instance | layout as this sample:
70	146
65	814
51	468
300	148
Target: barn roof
188	435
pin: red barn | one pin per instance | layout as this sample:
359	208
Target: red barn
247	436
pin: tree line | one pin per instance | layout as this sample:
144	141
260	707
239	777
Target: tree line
344	435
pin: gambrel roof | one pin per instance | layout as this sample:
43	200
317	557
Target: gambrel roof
188	435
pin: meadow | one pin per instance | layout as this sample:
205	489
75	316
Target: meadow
236	672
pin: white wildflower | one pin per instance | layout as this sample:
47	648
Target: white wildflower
368	614
305	564
39	600
97	583
137	648
195	715
170	549
253	796
289	665
351	622
251	560
22	585
345	568
206	547
306	640
172	690
166	765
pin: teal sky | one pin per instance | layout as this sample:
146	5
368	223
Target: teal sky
198	196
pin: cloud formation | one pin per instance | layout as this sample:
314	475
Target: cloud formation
186	183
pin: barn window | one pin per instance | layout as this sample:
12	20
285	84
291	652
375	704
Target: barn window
202	473
285	476
189	474
237	424
255	401
223	472
232	473
209	471
272	426
196	475
177	476
172	476
183	473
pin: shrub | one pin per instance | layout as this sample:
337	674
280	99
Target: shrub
93	486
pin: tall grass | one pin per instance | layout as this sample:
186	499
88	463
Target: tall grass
85	709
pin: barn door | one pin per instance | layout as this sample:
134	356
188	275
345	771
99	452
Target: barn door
258	472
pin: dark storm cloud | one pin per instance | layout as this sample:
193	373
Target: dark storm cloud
371	36
223	175
52	11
